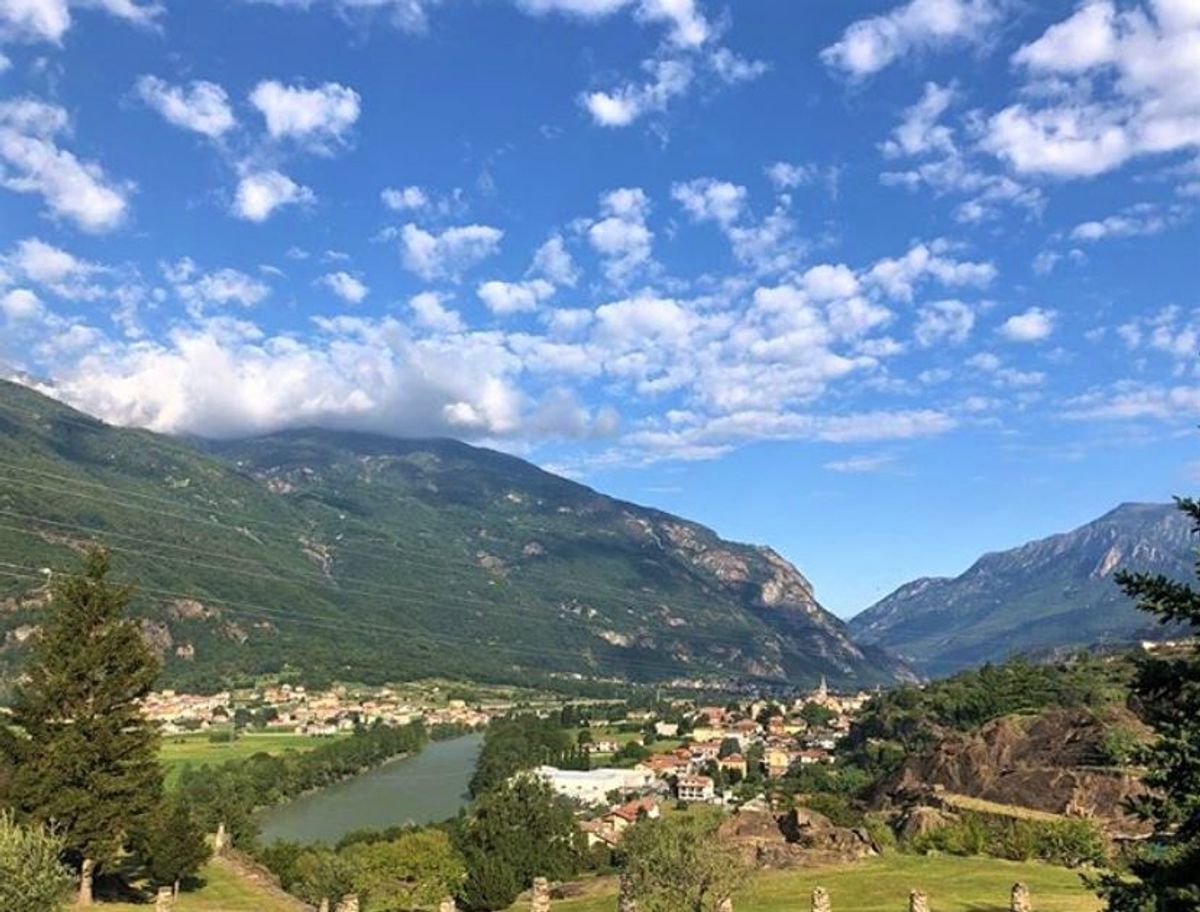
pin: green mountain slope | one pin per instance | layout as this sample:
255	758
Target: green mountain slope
1053	594
364	557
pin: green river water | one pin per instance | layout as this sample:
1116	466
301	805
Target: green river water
421	789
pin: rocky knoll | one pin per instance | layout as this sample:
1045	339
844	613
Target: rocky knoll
801	838
1052	762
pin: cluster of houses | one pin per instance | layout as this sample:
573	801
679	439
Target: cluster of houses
288	708
722	747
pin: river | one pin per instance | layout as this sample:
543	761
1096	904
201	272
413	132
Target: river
427	787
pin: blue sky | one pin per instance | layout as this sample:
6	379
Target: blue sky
881	284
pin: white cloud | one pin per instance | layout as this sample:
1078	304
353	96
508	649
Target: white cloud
1133	222
898	277
688	26
260	193
861	464
49	20
320	118
1033	325
667	79
552	261
220	288
950	321
708	199
72	189
20	304
734	69
429	309
920	131
503	298
870	45
789	176
349	288
1116	84
1127	401
202	107
403	200
621	237
449	254
1171	331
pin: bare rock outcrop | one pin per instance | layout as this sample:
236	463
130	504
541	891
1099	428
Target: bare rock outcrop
802	838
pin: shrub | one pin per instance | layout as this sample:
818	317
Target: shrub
1064	842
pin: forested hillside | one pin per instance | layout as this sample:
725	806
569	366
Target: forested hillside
350	555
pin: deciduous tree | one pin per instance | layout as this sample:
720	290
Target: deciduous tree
679	863
32	878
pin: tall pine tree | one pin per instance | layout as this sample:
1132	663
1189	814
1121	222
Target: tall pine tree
1167	866
88	762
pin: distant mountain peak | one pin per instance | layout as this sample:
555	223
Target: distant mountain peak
1054	593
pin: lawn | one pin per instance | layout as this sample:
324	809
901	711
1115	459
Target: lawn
224	890
179	750
882	885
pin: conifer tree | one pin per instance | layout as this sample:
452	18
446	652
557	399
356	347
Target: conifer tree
175	846
88	761
1167	866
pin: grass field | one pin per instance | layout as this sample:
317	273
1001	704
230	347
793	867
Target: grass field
882	885
179	750
224	890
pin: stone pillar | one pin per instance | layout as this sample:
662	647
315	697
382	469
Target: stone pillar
725	905
447	904
323	906
540	901
626	901
1020	901
165	900
918	901
221	840
349	903
820	900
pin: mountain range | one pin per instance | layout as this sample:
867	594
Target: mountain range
360	557
1047	596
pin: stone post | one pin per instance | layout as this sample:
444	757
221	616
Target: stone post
323	906
164	901
447	904
349	903
1020	901
918	901
221	840
541	895
820	900
725	905
626	901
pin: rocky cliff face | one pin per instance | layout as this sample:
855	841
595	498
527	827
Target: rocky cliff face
1053	762
1053	594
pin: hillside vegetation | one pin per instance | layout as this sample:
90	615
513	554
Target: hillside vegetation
355	556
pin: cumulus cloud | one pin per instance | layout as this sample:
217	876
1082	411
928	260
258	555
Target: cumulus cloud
405	199
20	304
870	45
349	288
320	118
71	189
861	464
1115	85
1135	221
202	107
261	193
943	321
503	298
449	254
899	276
708	199
666	79
220	288
621	236
429	311
553	262
49	20
688	27
1033	325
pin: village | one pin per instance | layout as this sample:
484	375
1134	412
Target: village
721	755
318	713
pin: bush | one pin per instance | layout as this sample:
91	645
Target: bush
1070	843
837	808
32	878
